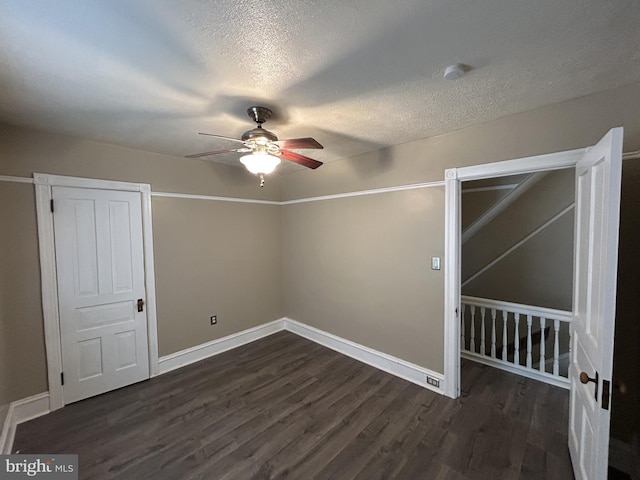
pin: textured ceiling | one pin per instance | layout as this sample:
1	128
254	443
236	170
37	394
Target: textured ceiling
356	75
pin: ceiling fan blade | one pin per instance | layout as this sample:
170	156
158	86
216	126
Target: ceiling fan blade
221	136
300	159
295	143
216	152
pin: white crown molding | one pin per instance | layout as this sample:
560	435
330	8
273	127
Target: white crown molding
374	191
214	198
8	178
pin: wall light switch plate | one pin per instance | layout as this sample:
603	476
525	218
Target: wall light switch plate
435	263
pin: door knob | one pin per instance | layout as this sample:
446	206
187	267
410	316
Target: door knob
584	378
140	305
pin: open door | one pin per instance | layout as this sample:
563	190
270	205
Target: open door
597	218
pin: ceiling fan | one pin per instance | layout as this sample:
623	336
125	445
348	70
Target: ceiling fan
263	148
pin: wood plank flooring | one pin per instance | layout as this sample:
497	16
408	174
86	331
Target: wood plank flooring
285	407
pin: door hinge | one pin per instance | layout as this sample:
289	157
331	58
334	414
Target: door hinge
62	378
606	391
51	205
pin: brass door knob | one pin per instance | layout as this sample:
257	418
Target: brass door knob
584	378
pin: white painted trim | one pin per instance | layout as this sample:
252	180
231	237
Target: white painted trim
452	263
453	177
500	206
210	197
512	368
492	188
22	411
535	311
518	244
374	191
49	284
538	163
150	279
387	363
43	185
191	355
9	178
78	182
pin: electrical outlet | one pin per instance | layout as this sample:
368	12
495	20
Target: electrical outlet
433	381
214	319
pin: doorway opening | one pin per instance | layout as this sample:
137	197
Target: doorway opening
517	273
597	211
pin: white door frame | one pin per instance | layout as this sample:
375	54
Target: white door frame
452	261
43	185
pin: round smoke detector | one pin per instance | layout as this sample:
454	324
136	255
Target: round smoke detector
454	71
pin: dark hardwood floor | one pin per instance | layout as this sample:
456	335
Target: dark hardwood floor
285	407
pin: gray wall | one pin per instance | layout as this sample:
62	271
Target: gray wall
359	268
22	358
214	258
211	257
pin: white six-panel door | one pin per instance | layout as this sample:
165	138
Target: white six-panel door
100	271
598	176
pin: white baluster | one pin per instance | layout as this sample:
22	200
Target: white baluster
472	344
516	340
483	349
504	335
556	348
529	346
543	323
493	333
463	345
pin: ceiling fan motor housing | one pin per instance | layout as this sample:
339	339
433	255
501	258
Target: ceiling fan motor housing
259	135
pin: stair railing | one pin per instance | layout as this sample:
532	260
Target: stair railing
523	339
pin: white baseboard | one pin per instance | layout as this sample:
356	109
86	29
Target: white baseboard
21	411
393	365
32	407
509	367
215	347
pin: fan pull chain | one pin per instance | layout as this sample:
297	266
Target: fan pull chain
261	180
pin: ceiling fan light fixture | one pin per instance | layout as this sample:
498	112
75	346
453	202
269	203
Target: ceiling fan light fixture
260	162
